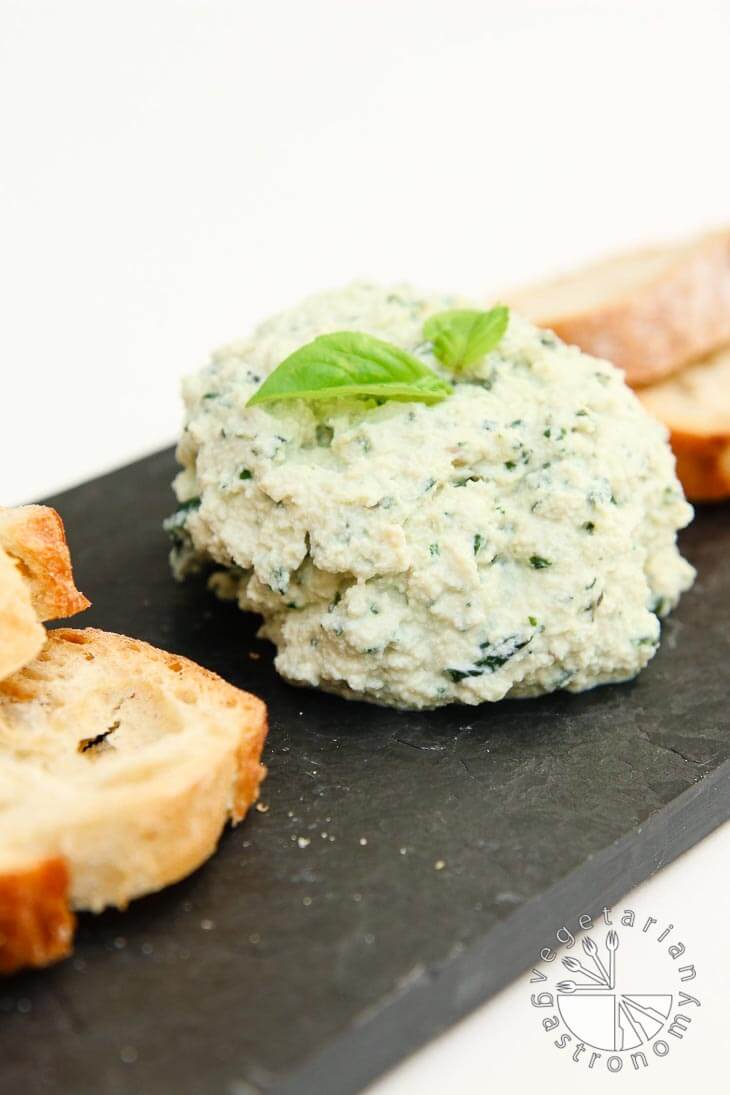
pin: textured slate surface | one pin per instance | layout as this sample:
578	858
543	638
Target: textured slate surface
312	968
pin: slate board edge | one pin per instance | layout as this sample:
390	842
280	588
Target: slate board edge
438	1000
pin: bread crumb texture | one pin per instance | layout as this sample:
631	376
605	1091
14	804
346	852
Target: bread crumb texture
120	763
21	635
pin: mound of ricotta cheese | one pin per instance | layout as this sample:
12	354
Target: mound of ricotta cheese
516	538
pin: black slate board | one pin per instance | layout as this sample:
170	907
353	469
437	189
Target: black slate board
312	969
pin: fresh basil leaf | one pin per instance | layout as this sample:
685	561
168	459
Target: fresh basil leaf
462	336
347	364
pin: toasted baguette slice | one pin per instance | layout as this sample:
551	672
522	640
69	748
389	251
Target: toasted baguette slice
119	766
695	405
649	312
21	636
34	536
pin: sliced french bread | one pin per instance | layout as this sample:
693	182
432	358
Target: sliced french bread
650	312
36	581
21	635
695	405
119	767
35	538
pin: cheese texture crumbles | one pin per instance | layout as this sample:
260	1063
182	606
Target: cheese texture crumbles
516	538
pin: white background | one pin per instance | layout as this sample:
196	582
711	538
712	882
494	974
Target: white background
173	171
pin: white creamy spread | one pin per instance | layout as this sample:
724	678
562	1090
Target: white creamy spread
516	538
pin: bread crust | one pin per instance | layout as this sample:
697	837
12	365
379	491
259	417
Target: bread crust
652	329
160	815
703	466
695	407
35	537
36	923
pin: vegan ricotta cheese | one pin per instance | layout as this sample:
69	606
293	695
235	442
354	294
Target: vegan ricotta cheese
515	538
